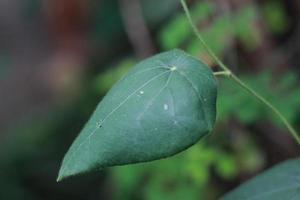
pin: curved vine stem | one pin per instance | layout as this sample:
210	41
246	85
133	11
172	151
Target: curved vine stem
227	72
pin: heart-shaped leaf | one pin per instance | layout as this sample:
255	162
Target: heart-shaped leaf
162	106
278	183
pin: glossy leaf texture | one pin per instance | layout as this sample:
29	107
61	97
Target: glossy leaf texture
278	183
164	105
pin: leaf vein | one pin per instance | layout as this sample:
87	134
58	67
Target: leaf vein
195	90
108	115
155	96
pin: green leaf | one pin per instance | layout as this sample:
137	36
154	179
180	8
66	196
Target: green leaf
278	183
276	16
162	106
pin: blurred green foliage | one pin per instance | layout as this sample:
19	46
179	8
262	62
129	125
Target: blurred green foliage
276	17
154	14
218	33
247	110
107	21
103	82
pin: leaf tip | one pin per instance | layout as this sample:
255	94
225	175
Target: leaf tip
60	176
67	171
63	174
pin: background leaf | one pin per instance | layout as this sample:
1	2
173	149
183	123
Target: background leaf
280	182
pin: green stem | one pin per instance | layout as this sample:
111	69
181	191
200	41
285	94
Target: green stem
268	104
228	73
210	52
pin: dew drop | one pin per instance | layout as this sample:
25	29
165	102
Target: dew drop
173	68
166	107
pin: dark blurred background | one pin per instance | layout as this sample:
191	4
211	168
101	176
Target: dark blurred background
58	58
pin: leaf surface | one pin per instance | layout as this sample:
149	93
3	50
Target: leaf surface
162	106
281	182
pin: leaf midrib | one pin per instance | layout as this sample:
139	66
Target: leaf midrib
108	115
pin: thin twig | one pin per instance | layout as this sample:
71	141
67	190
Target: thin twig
207	48
236	79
